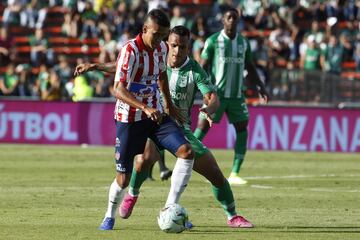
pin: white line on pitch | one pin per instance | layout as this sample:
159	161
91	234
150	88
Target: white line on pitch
301	176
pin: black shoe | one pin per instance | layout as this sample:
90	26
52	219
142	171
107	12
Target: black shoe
164	175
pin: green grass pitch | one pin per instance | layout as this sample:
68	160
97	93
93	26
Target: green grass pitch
60	192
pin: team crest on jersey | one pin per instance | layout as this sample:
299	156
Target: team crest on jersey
117	156
182	81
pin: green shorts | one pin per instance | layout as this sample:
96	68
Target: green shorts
197	146
236	110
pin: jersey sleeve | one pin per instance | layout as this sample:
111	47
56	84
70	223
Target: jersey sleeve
208	51
248	53
202	80
125	64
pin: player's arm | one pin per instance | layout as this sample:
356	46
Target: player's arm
212	103
172	110
124	68
109	67
207	54
253	75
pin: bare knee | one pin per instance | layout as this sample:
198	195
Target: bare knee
123	179
185	151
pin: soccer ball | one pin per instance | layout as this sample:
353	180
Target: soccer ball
172	218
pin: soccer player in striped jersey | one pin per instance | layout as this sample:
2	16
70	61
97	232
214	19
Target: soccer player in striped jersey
186	77
139	115
227	54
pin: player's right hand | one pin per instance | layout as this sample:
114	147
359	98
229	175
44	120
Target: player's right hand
154	114
82	68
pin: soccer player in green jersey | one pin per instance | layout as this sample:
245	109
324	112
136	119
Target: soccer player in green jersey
227	55
186	77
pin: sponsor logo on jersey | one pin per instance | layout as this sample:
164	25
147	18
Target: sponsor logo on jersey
231	60
178	95
143	90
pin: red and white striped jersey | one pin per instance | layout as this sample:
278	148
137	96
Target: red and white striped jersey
138	69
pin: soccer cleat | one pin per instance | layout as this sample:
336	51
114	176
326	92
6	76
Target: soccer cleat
164	175
107	224
188	225
234	179
127	206
239	222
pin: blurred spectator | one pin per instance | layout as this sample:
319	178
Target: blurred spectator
81	90
14	13
63	70
334	56
89	18
69	27
42	80
199	28
24	87
51	89
9	81
267	18
311	58
107	48
177	18
6	47
198	46
280	41
36	13
40	49
345	41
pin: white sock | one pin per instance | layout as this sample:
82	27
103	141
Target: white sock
179	179
116	194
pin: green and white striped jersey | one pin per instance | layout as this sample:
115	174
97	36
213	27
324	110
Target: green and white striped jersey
227	58
184	83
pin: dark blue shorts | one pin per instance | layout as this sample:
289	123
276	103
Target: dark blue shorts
131	139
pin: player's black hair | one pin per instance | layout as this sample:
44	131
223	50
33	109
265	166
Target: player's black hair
228	8
181	31
159	17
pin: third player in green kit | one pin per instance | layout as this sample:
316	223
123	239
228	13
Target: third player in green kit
227	54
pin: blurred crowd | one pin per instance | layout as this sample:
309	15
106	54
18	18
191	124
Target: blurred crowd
291	34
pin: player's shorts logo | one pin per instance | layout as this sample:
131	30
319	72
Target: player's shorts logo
117	142
117	156
120	168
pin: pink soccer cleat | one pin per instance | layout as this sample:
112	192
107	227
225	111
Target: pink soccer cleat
239	222
127	205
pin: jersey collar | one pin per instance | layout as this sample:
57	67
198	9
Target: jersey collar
225	36
184	64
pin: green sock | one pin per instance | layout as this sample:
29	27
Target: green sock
240	150
225	196
199	134
137	179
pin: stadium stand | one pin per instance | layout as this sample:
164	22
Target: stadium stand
278	32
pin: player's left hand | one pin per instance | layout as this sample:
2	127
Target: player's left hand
264	96
207	115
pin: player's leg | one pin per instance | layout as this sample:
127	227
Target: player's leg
127	146
238	115
203	125
169	136
140	173
206	165
165	173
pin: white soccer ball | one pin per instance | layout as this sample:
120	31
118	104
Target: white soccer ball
172	218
